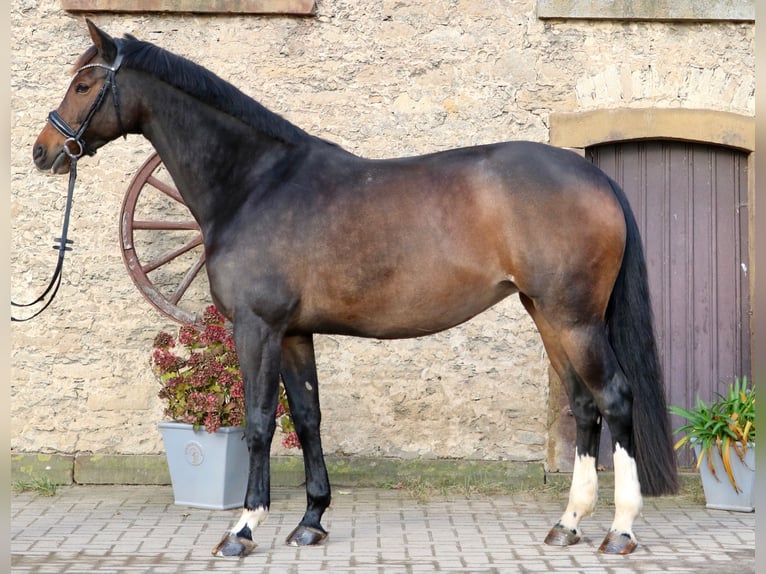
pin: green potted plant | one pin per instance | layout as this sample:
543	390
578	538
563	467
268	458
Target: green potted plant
201	387
722	435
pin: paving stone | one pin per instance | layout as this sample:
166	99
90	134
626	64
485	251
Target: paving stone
137	529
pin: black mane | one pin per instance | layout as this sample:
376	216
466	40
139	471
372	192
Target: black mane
205	86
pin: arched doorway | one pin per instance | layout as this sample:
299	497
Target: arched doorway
691	203
691	200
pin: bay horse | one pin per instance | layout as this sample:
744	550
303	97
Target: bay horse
303	237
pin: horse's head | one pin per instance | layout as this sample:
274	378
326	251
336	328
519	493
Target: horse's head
90	114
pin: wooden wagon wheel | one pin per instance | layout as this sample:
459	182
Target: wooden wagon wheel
162	245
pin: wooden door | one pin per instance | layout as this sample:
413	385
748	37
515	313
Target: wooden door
690	201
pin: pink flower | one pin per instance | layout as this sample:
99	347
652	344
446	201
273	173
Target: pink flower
214	334
165	361
164	340
212	316
290	440
188	335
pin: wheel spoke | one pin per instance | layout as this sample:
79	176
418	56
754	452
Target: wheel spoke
190	275
165	225
172	255
165	188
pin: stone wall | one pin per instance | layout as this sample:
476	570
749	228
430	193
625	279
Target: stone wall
382	79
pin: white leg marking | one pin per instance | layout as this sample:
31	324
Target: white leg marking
627	492
583	492
252	519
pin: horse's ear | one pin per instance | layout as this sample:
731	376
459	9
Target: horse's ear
104	42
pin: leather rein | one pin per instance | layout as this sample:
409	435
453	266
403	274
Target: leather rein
80	148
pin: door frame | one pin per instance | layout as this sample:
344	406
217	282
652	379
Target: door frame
580	130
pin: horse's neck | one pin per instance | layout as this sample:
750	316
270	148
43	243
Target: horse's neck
207	152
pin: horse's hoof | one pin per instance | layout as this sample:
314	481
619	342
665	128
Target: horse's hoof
561	536
233	545
618	543
306	536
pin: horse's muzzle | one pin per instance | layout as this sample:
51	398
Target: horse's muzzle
56	162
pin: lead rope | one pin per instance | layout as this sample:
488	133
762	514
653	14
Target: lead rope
63	243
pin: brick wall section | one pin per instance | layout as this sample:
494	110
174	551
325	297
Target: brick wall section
382	79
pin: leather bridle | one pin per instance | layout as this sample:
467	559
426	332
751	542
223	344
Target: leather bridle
76	137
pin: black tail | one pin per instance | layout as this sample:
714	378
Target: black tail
630	326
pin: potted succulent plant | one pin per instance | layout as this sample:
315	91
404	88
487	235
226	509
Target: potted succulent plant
201	386
722	435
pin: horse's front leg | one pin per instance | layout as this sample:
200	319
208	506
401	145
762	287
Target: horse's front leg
301	384
258	347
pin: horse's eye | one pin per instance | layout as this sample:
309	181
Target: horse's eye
82	88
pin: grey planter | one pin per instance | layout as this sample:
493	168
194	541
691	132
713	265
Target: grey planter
719	492
207	470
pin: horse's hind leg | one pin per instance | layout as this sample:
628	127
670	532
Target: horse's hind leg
583	492
591	355
301	385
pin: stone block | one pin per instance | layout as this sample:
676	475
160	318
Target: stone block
121	469
56	467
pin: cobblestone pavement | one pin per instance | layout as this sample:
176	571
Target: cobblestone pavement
130	529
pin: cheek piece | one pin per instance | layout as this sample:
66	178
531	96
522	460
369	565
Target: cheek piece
75	146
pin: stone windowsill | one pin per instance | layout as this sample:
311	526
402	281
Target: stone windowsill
293	7
694	10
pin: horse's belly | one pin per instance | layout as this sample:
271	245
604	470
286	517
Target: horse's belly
404	314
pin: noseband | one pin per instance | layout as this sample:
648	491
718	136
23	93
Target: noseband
76	137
